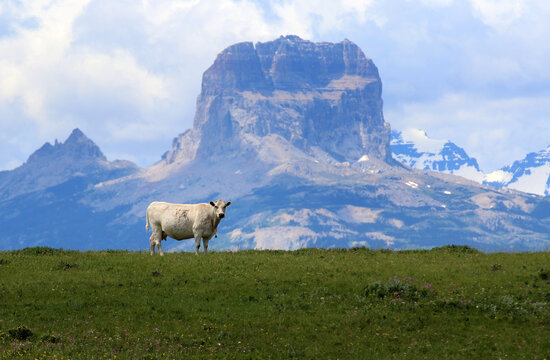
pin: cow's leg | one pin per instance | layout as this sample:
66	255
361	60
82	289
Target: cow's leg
205	243
197	243
155	238
152	243
162	237
161	253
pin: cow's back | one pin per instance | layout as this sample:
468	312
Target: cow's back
176	220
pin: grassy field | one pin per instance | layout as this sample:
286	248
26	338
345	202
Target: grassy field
452	302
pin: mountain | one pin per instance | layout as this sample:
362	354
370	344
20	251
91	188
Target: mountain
414	148
531	174
40	200
314	96
292	132
55	164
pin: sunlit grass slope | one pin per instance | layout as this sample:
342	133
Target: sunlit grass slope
452	302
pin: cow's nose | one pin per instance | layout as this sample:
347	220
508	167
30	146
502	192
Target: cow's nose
221	216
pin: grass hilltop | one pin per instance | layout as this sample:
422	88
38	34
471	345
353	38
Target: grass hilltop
451	302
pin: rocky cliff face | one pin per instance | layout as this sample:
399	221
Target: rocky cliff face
313	95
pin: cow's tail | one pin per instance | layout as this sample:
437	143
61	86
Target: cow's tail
147	220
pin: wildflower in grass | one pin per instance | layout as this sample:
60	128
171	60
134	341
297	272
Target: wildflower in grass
157	329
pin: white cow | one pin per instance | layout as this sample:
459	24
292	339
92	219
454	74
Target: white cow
184	221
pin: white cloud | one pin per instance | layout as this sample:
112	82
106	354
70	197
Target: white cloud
28	58
40	65
117	73
436	3
497	13
308	19
162	12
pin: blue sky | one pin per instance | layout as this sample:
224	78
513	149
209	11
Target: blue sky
127	72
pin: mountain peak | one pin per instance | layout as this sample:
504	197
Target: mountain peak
55	164
77	146
76	135
313	95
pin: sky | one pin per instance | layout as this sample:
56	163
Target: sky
128	72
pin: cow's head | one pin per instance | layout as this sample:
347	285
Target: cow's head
219	207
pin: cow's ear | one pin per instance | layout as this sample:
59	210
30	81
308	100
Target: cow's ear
212	203
228	203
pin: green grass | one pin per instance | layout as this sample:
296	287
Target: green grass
453	303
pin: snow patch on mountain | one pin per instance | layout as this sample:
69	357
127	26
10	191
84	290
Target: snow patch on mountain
531	174
357	214
421	141
414	148
498	176
535	182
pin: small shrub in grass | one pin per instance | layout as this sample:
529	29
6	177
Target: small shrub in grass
39	250
65	265
397	289
20	333
4	262
49	338
496	267
461	249
544	274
